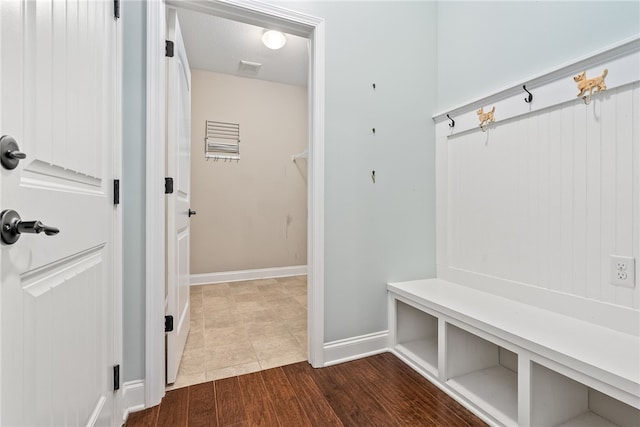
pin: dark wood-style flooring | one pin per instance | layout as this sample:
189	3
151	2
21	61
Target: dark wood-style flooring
375	391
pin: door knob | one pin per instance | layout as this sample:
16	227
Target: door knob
12	227
191	213
10	153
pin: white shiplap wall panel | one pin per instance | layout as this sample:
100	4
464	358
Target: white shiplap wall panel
532	209
607	198
636	182
578	194
556	201
593	202
623	183
544	191
543	199
566	187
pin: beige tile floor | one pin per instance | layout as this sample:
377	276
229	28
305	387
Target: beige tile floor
243	327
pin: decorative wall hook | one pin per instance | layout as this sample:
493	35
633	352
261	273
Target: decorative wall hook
585	84
485	118
373	130
373	176
374	86
453	122
529	98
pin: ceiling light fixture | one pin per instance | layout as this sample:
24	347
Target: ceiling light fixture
274	39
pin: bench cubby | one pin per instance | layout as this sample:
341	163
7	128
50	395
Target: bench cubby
557	400
485	373
515	364
417	336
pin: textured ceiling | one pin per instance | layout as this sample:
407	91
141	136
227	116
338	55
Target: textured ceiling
218	44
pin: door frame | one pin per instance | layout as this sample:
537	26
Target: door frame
264	15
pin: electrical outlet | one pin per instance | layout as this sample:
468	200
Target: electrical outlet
623	271
621	265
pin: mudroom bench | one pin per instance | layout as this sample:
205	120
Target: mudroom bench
512	363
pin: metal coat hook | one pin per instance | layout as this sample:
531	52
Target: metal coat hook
373	176
373	130
453	122
374	85
529	98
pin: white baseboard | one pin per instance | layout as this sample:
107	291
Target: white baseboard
132	398
259	273
355	348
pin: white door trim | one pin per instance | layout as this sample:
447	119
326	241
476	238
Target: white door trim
155	229
256	13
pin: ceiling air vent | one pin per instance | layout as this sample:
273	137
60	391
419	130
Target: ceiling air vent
248	67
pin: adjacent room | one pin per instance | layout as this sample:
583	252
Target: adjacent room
248	240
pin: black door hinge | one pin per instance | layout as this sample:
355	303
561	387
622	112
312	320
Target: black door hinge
168	186
116	378
168	323
168	51
116	191
116	9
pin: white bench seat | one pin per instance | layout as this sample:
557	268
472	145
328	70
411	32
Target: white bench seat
602	358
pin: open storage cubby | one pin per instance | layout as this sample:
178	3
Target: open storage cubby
483	373
512	363
417	336
557	400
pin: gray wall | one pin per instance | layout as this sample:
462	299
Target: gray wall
385	231
133	187
485	46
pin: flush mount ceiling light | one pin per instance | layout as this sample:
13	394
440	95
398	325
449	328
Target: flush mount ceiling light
274	39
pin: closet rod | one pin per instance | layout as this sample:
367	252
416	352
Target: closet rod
304	154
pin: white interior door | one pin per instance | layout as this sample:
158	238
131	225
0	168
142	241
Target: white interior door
59	94
178	168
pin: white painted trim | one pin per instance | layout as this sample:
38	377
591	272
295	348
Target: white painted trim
133	397
95	415
117	321
240	275
257	13
315	223
155	230
353	348
550	88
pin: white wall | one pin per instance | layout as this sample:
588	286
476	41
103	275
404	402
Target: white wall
486	45
253	213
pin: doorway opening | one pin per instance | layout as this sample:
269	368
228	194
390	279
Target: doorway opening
248	241
291	22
